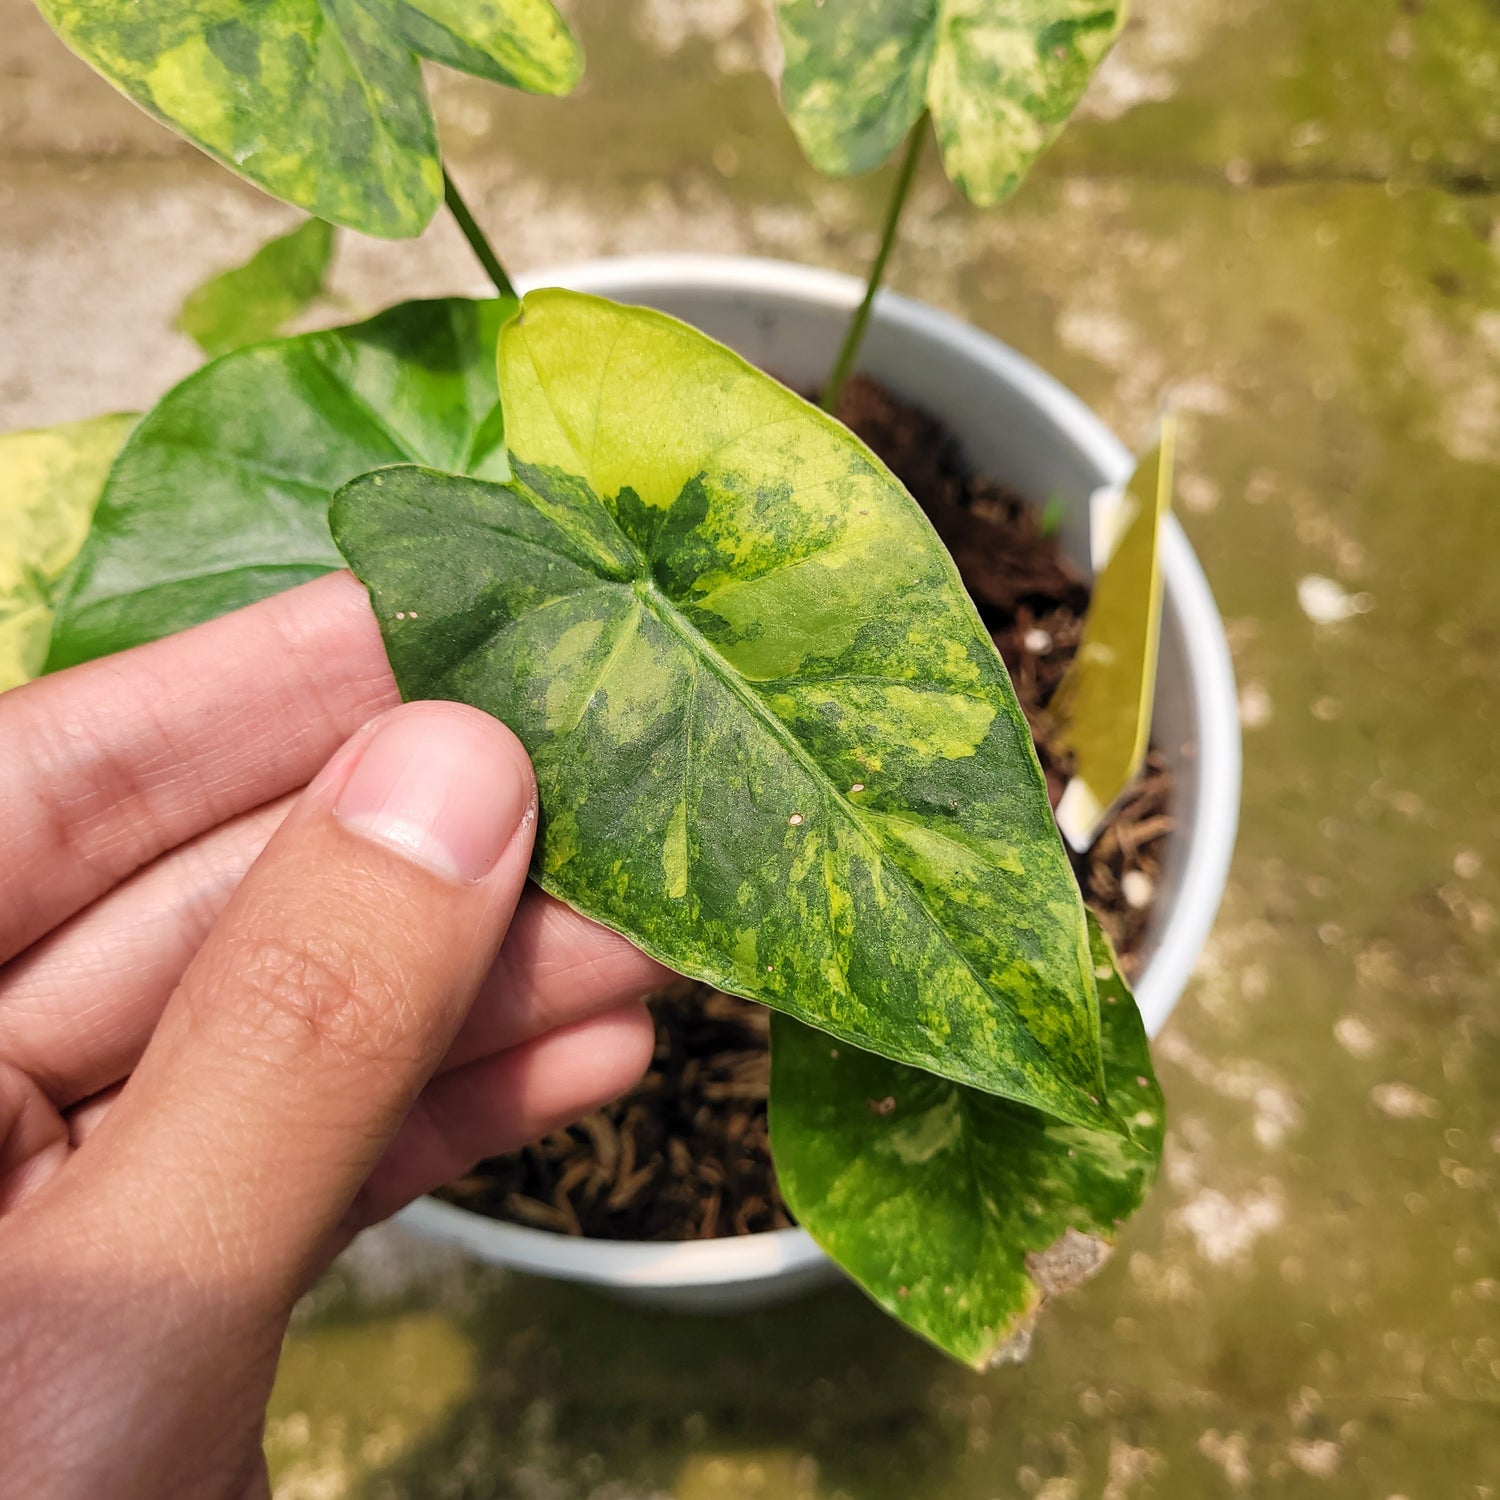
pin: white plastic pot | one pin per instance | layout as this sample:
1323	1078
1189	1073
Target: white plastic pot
1018	426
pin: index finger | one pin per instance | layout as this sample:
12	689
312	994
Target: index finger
109	764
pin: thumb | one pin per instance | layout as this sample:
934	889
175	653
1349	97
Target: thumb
321	1003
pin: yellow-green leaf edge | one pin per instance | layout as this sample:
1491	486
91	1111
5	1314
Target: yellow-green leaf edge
50	480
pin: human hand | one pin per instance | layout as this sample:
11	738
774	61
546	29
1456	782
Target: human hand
239	1022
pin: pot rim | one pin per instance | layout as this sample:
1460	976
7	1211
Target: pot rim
780	1253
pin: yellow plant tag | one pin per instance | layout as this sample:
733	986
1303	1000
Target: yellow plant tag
1104	702
50	481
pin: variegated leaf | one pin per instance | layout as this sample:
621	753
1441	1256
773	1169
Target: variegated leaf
999	76
50	480
774	743
958	1212
320	102
221	495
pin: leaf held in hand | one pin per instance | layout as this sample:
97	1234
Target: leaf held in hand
320	102
999	76
254	301
958	1212
774	743
49	484
221	495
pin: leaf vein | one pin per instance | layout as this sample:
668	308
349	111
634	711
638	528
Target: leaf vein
629	623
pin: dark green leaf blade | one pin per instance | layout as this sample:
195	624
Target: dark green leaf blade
254	301
221	495
999	76
49	485
958	1212
320	102
774	743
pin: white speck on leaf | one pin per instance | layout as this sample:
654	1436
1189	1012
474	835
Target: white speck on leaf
795	820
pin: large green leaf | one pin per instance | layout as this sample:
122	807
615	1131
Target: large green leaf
252	302
320	102
1000	77
958	1212
774	743
49	484
221	495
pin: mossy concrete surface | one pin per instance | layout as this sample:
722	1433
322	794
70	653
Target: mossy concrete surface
1286	215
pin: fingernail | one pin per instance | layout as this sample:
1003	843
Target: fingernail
438	788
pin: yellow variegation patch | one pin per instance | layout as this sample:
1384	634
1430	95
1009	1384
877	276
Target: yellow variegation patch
49	484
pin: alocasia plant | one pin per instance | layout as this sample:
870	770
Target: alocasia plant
775	747
774	743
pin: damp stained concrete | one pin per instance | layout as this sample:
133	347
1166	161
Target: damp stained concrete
1288	216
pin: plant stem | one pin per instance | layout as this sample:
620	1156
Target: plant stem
843	366
475	236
